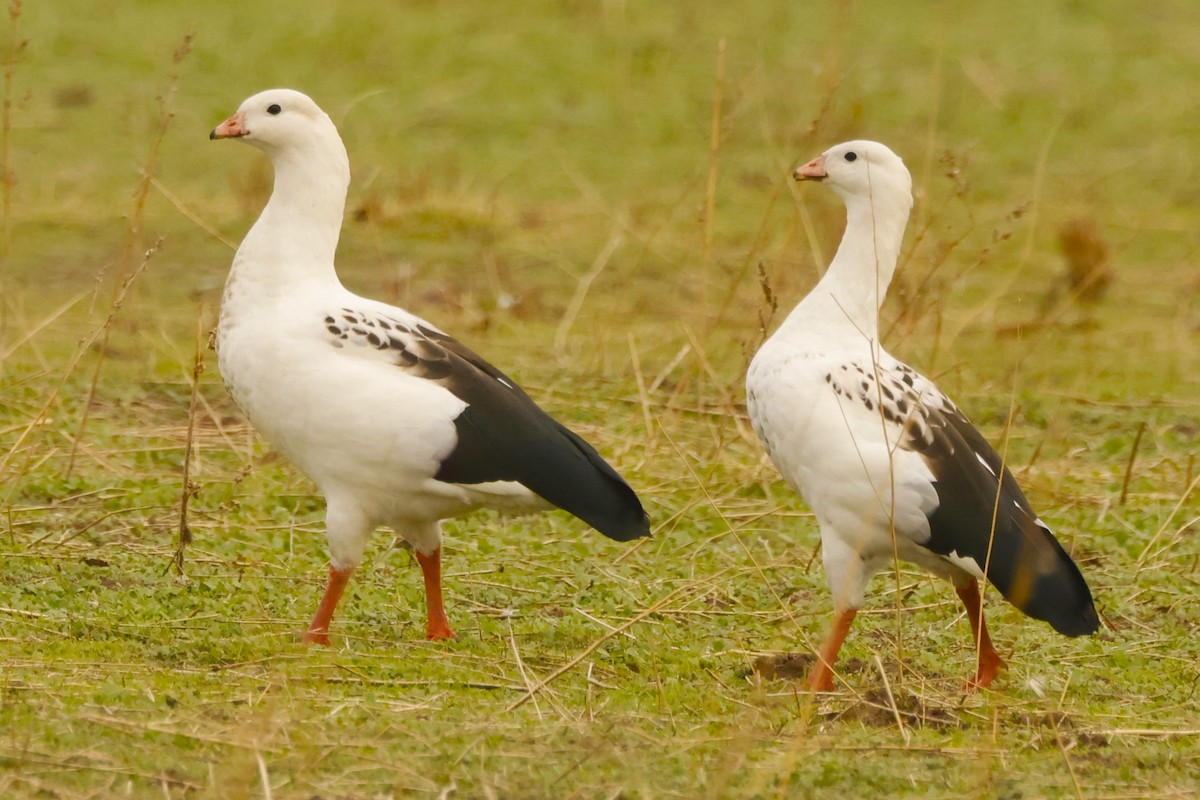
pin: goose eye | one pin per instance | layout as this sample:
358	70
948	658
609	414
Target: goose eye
852	156
274	108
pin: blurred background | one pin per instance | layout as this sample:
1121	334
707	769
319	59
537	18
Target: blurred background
496	151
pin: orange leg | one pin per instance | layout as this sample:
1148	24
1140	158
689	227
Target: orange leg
438	626
990	662
821	677
318	629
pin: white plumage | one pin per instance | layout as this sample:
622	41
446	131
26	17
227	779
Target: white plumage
887	462
397	423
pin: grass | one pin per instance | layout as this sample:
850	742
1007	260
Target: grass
543	181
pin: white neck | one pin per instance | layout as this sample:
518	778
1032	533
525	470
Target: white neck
845	302
296	236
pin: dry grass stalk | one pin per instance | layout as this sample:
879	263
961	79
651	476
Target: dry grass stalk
657	606
751	258
766	312
892	701
84	346
714	154
1133	450
7	180
16	50
581	290
733	530
931	129
133	235
643	397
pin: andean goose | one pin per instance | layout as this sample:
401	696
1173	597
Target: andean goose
888	464
397	423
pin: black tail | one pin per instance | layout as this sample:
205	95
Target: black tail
996	527
504	436
1037	576
591	489
550	461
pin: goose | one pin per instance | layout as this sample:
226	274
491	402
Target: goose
889	465
395	421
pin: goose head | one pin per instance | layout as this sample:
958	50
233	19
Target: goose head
861	169
288	126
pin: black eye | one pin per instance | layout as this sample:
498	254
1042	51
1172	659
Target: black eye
851	156
275	109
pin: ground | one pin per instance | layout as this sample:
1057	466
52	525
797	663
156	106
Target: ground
595	194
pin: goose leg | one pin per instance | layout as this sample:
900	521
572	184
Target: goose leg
821	677
438	626
318	629
990	662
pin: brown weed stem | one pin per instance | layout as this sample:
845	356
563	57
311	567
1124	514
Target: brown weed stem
190	489
1137	440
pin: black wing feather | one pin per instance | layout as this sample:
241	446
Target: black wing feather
502	434
1026	563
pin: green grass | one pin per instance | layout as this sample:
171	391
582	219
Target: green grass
497	149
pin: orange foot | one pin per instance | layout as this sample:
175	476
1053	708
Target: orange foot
320	637
436	633
990	665
820	679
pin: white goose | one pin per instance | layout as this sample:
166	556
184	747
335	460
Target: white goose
397	423
888	464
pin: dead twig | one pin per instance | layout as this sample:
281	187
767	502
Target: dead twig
190	489
1137	440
